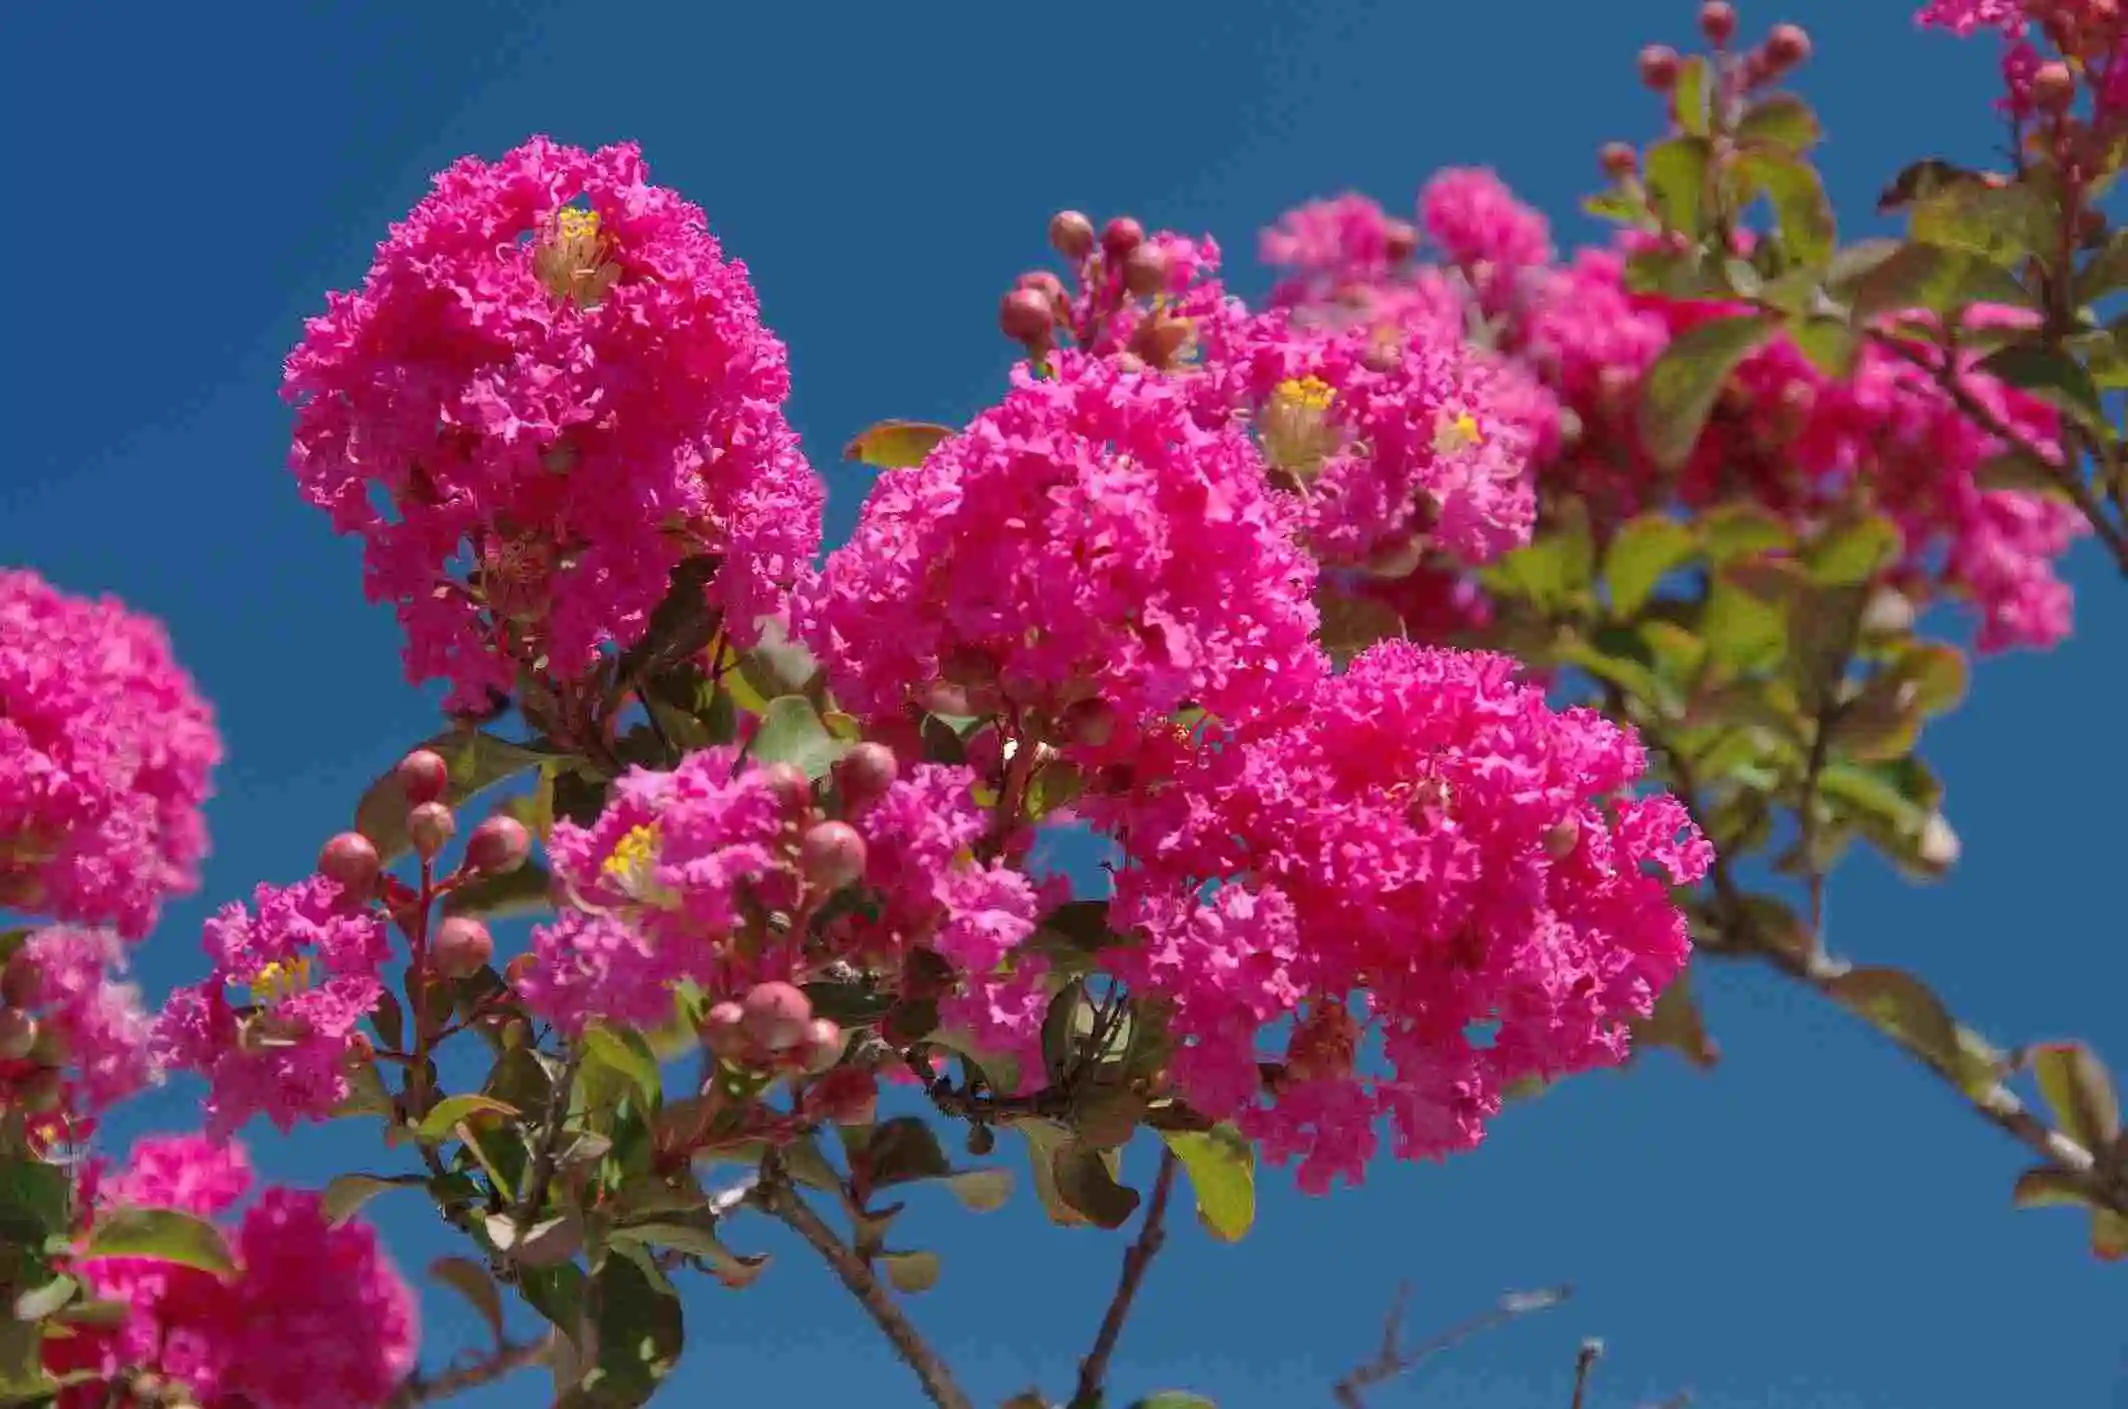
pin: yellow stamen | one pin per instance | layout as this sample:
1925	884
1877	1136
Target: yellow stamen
278	982
1456	433
632	867
1295	426
571	261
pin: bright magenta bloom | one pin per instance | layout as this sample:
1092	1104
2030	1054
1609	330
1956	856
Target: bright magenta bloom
305	967
81	1000
1434	855
1083	540
105	754
551	390
315	1316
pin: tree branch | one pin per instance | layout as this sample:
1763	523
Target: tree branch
507	1359
1152	1236
1393	1359
775	1195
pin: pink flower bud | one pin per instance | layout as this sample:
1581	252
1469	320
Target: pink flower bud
865	773
1786	46
2053	87
723	1030
423	776
1145	271
788	782
1658	67
1048	285
1071	234
519	969
1717	20
351	860
1026	316
821	1047
431	827
832	855
18	1034
1120	236
498	846
1400	240
774	1016
463	945
1619	160
1561	839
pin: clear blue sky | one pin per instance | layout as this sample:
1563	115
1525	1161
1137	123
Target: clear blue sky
1815	1224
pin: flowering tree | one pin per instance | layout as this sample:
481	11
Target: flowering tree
1443	656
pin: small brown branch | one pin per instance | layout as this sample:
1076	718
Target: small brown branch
1394	1360
548	1152
1585	1361
507	1359
1152	1236
775	1195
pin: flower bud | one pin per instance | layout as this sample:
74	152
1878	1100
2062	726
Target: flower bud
832	855
774	1015
1145	271
1026	316
1120	236
498	846
423	776
1717	20
1786	46
1561	838
981	1140
1400	240
865	773
1939	847
519	969
463	946
1619	160
1658	67
788	782
20	982
2053	87
821	1047
723	1030
18	1034
1071	234
351	860
431	827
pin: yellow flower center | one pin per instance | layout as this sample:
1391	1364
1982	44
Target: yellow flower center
278	982
571	259
632	867
1295	426
1459	432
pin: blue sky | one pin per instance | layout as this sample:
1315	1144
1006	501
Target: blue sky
1814	1224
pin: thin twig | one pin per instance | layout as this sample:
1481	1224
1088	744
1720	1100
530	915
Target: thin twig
775	1195
548	1153
508	1359
1152	1236
1393	1359
1585	1361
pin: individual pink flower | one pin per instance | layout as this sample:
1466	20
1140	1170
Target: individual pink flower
1481	226
550	392
90	1017
1430	850
106	750
314	1316
1084	540
306	963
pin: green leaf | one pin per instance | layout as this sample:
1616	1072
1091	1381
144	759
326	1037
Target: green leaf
22	1375
981	1190
624	1053
1086	1181
639	1335
2079	1093
1641	555
896	445
1222	1169
1907	1010
1676	1024
2053	377
903	1150
1779	120
1352	622
1556	568
528	890
346	1194
1854	551
1688	99
2107	271
36	1201
2048	1187
1679	390
1625	203
1853	262
162	1234
2016	471
546	1243
1741	530
910	1272
471	1281
1932	279
2109	1235
2002	224
443	1118
1936	672
477	760
1677	183
41	1302
1802	213
1174	1399
1830	344
734	1270
792	732
1745	626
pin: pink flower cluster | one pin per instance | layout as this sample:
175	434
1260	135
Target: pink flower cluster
535	409
105	754
1431	854
678	876
90	1026
1083	540
305	963
2089	36
315	1316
